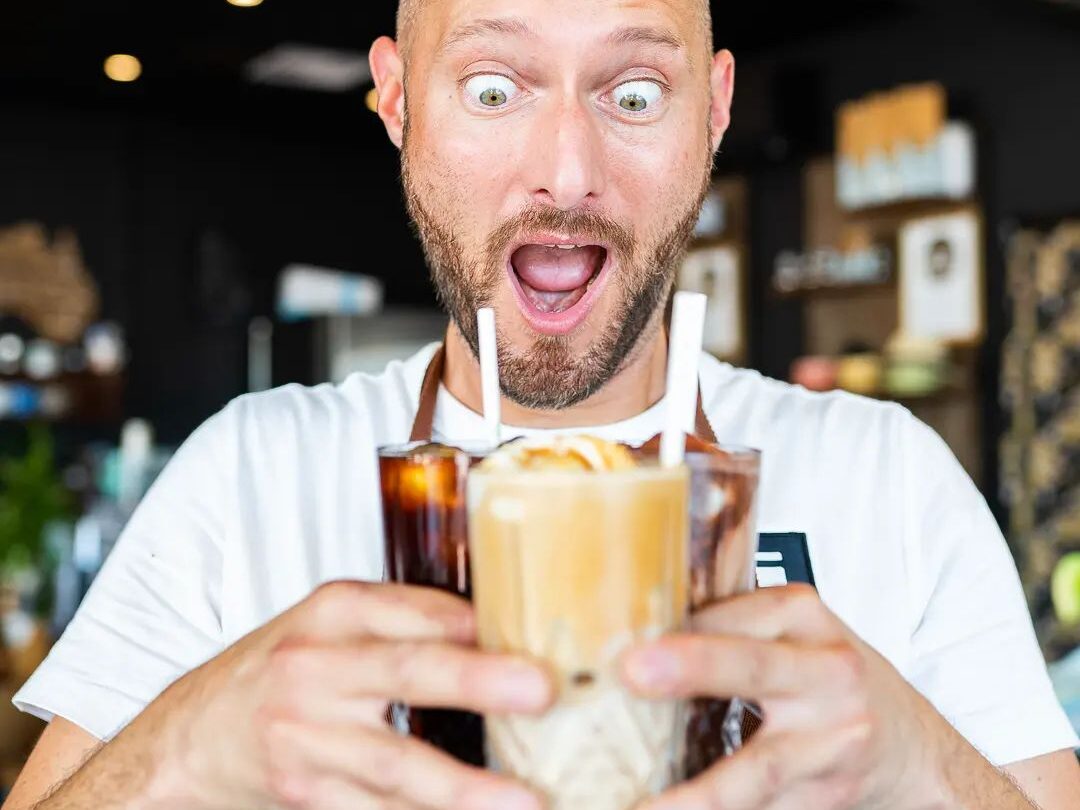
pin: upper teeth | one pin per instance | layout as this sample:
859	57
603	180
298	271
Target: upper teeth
564	247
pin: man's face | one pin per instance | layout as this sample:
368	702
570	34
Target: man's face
555	157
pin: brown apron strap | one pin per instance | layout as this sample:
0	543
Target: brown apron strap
424	423
702	427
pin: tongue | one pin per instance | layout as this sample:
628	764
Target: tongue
554	269
555	279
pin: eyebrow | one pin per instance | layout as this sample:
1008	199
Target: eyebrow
505	26
640	35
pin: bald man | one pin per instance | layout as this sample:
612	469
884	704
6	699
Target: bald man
238	652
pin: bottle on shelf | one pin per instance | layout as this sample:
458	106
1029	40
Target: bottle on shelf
898	146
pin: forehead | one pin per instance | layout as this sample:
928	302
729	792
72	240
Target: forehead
552	19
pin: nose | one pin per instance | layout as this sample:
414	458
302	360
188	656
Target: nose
565	164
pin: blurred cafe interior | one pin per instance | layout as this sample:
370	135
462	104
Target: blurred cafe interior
197	201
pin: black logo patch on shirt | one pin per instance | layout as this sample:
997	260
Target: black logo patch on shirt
782	558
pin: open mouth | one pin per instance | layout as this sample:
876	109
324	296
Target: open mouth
556	281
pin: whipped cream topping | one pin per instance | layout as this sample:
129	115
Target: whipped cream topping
561	453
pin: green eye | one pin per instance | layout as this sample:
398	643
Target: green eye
491	90
493	97
637	96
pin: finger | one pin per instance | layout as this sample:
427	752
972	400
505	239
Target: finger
763	772
790	714
686	665
793	612
356	678
347	609
402	769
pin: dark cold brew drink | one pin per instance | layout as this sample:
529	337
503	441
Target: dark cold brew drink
424	523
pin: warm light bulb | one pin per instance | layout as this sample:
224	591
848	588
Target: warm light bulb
245	3
123	67
372	99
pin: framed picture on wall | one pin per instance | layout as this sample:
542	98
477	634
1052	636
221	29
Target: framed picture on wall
716	270
712	221
942	277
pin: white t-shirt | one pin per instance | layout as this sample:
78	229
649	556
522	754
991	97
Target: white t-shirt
279	492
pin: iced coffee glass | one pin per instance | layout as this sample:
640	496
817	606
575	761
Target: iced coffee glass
424	523
578	551
723	551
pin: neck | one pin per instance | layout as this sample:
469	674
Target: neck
638	385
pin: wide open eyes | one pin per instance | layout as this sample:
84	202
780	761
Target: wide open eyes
637	96
491	90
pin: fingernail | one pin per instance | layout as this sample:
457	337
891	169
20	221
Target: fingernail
652	669
522	687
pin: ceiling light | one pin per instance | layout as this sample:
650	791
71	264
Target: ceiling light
372	99
245	3
123	67
310	67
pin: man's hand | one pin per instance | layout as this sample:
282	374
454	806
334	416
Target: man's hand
293	715
842	728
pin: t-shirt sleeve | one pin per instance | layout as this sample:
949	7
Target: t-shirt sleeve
153	612
974	651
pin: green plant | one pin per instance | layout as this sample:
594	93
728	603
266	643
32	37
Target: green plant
31	496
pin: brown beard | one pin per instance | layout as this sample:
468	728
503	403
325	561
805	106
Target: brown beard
548	376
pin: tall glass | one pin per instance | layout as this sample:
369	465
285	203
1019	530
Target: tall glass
723	551
570	567
426	533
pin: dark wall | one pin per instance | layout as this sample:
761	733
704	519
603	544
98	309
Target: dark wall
186	218
1011	65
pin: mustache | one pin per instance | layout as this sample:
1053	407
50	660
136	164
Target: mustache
576	222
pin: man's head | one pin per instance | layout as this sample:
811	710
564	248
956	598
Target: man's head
555	154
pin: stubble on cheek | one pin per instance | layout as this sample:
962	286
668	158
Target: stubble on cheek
438	197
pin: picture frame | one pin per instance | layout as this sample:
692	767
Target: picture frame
712	220
717	270
942	277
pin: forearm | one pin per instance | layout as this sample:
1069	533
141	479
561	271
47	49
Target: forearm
119	776
141	769
967	781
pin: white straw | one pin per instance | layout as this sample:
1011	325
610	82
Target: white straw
687	326
489	374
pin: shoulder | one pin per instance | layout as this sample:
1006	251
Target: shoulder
380	404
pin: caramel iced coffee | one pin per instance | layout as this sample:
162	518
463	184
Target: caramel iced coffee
577	551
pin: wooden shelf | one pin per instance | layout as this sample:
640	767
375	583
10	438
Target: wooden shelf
835	318
907	209
835	290
940	396
95	399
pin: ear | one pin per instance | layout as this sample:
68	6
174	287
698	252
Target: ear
722	82
388	71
